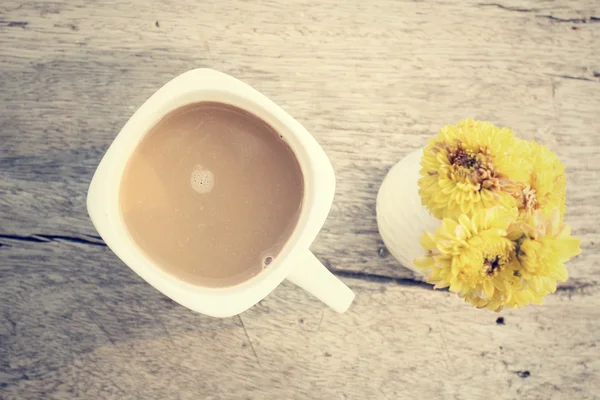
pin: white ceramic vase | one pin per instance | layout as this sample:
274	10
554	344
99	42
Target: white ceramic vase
401	217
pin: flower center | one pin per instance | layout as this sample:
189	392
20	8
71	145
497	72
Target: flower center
531	202
475	166
461	158
526	196
494	263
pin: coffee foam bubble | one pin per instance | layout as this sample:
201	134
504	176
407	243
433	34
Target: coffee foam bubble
202	180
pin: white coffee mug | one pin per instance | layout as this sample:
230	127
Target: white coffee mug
295	261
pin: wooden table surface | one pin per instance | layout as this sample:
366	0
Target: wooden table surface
371	81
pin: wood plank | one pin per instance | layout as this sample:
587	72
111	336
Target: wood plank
371	81
77	323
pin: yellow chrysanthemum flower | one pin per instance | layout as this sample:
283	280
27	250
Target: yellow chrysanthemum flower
502	242
543	247
546	187
493	262
473	257
471	166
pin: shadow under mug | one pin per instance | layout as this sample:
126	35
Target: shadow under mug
295	261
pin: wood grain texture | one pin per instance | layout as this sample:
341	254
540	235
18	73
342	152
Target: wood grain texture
76	323
371	81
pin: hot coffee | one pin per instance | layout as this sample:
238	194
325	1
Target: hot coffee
211	193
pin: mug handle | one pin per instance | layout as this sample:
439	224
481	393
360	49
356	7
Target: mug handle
317	280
